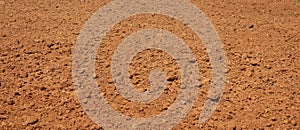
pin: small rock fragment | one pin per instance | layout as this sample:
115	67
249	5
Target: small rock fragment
3	117
254	62
273	119
11	102
30	120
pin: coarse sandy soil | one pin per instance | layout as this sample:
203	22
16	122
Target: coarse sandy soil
261	41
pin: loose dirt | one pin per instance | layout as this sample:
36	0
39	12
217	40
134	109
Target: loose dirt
261	40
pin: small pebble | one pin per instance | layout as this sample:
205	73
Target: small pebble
31	120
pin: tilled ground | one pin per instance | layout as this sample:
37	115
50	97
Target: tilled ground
261	40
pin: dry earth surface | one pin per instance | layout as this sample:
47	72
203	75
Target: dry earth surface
261	40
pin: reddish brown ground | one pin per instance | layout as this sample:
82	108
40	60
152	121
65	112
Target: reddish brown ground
261	40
